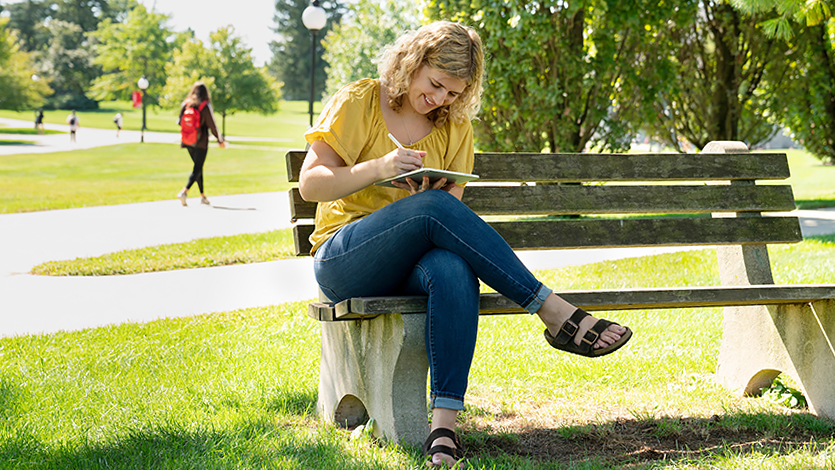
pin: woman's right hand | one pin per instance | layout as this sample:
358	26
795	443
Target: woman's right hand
401	161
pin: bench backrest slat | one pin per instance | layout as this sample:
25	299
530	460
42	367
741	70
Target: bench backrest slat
618	200
563	200
615	233
581	167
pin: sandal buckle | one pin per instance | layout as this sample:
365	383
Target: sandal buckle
594	334
570	332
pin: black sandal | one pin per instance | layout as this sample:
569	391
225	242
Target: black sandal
456	453
564	340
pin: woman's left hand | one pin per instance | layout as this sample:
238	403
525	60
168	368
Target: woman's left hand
413	187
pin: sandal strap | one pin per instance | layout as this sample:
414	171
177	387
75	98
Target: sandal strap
456	453
570	327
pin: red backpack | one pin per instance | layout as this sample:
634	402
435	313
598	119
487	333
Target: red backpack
190	124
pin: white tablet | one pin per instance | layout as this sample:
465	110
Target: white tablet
434	175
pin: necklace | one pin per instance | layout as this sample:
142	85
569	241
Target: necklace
411	142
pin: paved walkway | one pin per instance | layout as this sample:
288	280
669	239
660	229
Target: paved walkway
42	304
85	138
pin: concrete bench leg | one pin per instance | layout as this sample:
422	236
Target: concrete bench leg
761	342
376	368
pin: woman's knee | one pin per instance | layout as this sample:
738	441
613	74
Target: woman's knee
446	268
434	202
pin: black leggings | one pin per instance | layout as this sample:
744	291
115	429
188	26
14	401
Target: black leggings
198	156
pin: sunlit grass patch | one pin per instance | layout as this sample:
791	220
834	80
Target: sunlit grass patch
200	253
9	130
129	173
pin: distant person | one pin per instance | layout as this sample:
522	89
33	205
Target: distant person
39	121
196	119
72	120
117	119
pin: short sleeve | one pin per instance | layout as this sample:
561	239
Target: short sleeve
346	120
460	153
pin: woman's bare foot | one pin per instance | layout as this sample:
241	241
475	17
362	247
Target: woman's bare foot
443	418
441	460
555	311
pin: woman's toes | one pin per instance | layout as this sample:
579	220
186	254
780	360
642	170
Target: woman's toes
610	336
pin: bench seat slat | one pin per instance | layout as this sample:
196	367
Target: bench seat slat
612	233
594	300
533	167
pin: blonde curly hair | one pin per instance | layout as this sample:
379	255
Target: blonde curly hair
450	47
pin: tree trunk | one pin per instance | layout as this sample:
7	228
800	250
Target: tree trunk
725	100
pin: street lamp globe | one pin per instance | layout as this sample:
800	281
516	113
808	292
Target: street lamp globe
143	85
314	17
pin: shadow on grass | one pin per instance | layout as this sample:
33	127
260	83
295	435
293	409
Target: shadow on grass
16	142
627	442
178	446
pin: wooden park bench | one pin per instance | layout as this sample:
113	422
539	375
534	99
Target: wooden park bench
373	354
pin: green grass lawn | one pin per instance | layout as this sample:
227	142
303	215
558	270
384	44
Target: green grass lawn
131	173
237	390
9	130
290	122
201	253
812	181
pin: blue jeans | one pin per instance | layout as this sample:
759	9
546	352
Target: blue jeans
429	244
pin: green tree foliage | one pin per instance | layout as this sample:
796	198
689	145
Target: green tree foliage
68	64
721	60
55	31
291	53
808	12
807	106
555	68
352	46
227	69
808	101
139	45
19	88
190	63
28	19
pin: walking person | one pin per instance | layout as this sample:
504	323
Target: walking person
196	120
117	119
39	121
431	243
74	123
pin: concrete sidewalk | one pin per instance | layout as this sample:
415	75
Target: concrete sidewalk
88	137
40	304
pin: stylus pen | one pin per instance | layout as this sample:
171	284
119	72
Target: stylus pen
395	141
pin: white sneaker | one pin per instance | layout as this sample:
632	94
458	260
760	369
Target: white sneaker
182	197
204	200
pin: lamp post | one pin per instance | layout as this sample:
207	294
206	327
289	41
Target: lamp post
314	19
143	85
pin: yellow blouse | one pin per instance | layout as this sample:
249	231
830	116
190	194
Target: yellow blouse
352	124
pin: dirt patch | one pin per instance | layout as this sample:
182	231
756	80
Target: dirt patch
629	441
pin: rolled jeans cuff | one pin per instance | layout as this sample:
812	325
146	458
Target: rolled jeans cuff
446	402
541	295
